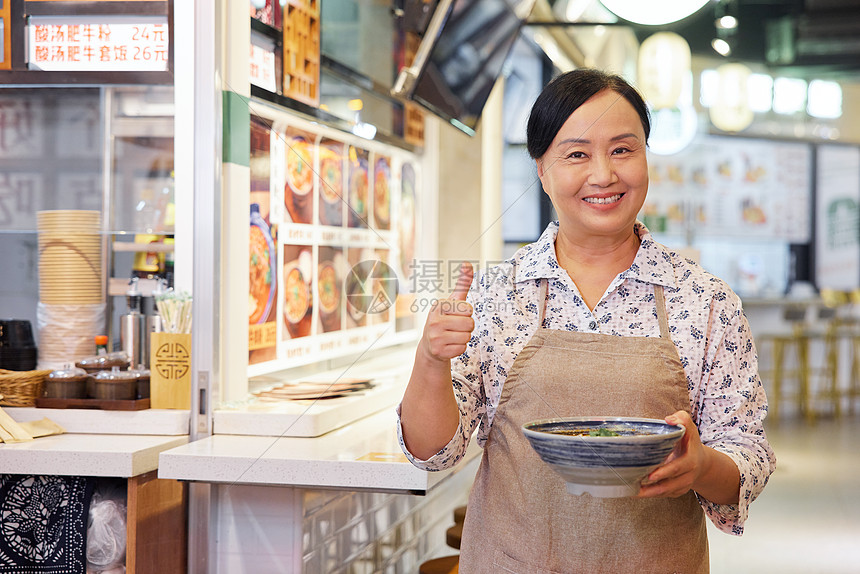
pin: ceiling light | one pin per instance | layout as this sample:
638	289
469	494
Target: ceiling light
710	87
727	23
653	13
721	46
789	95
824	99
760	88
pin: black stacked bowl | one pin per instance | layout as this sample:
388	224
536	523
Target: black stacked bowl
17	346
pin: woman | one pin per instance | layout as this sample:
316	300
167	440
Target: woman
595	318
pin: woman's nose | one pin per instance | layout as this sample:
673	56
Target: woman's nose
602	173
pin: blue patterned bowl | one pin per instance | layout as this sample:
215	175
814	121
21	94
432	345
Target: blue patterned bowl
604	456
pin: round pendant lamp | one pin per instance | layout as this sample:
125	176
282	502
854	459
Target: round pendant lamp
664	63
731	111
653	12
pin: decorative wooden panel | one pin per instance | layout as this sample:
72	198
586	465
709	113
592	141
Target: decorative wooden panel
157	525
301	20
413	121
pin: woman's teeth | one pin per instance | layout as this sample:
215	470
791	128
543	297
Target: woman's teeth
603	200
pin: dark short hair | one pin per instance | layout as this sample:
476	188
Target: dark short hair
564	94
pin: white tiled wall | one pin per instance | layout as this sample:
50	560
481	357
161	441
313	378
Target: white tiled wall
289	530
257	530
368	532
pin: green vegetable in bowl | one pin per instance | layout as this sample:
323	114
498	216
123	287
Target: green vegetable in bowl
603	432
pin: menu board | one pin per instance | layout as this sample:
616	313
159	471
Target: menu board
732	187
837	210
333	231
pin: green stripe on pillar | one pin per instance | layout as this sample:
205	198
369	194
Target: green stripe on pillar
237	129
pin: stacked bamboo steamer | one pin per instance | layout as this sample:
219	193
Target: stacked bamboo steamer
71	287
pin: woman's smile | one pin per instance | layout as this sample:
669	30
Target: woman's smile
604	200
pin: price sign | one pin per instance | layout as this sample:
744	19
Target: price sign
262	67
98	43
5	37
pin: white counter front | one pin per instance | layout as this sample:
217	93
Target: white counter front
97	442
120	456
363	455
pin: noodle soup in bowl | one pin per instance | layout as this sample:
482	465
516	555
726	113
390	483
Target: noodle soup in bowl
331	185
329	296
603	456
382	194
358	192
262	278
300	182
298	299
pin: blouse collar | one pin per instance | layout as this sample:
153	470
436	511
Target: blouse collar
652	264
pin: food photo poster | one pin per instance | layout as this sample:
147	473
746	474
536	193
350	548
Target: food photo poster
333	235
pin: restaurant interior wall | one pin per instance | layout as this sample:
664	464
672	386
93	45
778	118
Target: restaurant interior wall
779	262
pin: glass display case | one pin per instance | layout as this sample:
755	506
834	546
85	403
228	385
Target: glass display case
104	150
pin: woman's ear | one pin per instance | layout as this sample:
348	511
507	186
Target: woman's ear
539	164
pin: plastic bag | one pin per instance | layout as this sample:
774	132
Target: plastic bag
66	332
106	533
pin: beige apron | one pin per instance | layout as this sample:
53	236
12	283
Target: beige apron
520	517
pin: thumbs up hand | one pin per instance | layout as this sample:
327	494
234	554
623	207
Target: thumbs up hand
449	324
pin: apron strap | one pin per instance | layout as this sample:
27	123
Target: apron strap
542	299
660	301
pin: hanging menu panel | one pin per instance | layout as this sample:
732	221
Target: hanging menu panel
98	43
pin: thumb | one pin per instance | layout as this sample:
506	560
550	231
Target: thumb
463	282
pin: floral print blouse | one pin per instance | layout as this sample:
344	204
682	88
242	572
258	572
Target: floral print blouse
706	323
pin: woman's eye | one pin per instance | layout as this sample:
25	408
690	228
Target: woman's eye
576	155
620	150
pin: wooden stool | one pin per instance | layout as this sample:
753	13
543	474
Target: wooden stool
460	514
783	347
455	533
840	331
852	393
827	372
444	565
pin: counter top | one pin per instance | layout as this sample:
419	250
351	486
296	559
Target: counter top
97	421
312	418
363	455
87	454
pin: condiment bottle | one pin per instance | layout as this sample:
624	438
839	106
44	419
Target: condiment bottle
101	345
153	323
131	324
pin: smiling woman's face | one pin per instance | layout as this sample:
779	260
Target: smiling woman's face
596	171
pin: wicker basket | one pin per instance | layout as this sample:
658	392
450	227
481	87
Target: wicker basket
21	388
